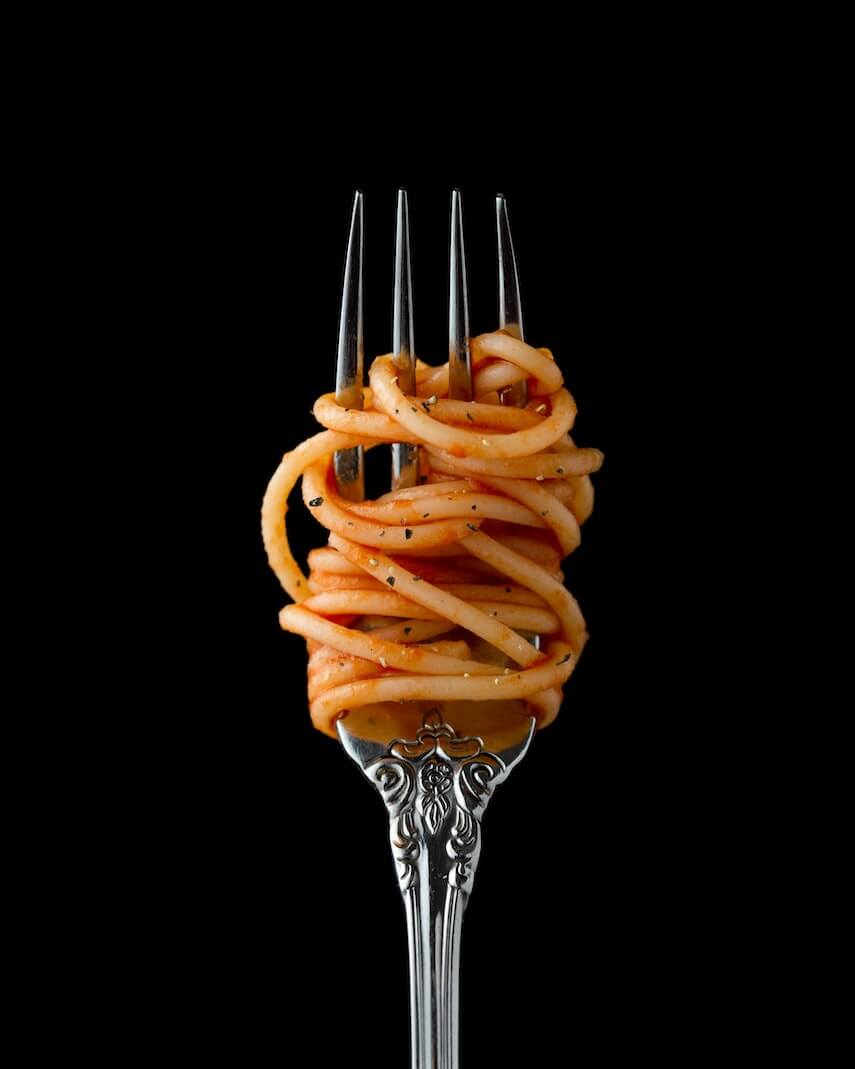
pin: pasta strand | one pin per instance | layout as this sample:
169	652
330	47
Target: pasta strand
472	554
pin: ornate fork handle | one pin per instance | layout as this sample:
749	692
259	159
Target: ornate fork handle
436	789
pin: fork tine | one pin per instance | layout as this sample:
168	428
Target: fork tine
510	317
510	306
405	457
459	363
349	463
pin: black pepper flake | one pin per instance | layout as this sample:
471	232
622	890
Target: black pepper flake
391	580
299	582
315	502
426	407
471	526
413	409
545	513
408	534
425	515
474	507
564	660
417	578
560	471
407	630
471	420
382	533
396	412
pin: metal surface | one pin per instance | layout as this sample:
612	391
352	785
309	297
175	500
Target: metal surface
459	361
405	457
436	788
350	463
510	306
510	318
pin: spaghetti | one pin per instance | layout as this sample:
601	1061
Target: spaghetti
426	594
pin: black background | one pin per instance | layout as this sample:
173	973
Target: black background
185	241
271	894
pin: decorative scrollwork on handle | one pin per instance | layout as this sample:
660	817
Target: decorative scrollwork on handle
461	846
395	780
436	786
406	848
475	781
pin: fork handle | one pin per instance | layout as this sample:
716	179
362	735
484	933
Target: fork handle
433	931
436	789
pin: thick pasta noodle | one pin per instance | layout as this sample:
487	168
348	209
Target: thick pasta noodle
430	594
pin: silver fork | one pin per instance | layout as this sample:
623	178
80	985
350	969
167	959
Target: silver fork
349	464
436	787
510	307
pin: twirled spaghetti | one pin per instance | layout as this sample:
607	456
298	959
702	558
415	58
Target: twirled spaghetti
472	554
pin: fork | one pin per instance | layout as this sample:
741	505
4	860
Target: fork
436	786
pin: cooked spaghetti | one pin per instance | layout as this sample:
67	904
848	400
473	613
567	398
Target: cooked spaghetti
428	594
